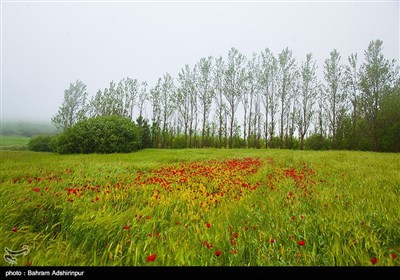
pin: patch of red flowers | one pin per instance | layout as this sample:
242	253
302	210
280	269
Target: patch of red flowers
151	258
206	244
301	243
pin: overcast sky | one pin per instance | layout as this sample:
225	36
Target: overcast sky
47	45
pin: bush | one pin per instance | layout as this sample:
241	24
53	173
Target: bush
317	142
104	134
179	142
41	143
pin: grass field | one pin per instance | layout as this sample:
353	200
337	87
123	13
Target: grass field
201	208
13	142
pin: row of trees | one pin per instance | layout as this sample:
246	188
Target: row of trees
261	101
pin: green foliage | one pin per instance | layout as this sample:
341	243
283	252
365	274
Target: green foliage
145	132
73	108
104	134
274	142
389	122
179	142
317	142
42	143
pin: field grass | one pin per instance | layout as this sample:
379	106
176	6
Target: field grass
13	142
202	208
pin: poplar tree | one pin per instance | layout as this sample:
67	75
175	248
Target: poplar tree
73	107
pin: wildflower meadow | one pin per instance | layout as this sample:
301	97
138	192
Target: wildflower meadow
201	207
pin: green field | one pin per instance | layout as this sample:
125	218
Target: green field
13	142
201	207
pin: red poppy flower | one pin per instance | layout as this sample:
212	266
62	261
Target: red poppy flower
218	253
208	225
151	258
301	243
272	240
14	229
374	260
393	255
126	227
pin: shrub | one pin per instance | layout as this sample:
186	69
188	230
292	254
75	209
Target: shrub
317	142
104	134
179	142
41	143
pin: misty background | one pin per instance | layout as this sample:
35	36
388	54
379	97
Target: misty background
45	46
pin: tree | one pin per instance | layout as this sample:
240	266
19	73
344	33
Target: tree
267	80
308	93
235	76
389	121
127	91
108	102
251	89
167	105
352	87
156	114
73	108
142	97
182	99
335	95
203	82
145	134
377	75
219	73
286	78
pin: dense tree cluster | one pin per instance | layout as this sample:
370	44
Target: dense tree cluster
264	101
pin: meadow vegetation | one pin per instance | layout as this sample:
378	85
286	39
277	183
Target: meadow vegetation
202	207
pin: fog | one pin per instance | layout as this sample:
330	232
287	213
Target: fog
45	46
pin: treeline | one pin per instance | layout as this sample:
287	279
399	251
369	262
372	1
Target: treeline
265	101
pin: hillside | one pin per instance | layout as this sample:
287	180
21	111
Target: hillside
26	128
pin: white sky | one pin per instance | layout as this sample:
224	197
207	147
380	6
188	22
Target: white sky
46	45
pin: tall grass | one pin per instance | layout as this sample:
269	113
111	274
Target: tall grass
202	208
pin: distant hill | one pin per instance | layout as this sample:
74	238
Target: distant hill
27	128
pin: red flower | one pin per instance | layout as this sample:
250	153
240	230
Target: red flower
301	243
14	229
374	260
206	244
151	258
272	241
208	225
393	255
126	227
218	253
